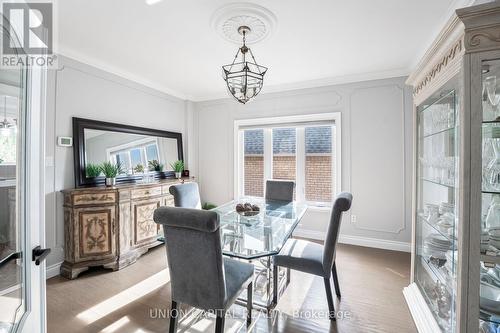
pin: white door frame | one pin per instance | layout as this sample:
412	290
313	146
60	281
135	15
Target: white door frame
34	320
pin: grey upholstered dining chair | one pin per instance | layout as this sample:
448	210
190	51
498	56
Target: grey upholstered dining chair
186	195
281	190
199	275
314	258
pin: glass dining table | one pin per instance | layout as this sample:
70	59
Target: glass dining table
257	238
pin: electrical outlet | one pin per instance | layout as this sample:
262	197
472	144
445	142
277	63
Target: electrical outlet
354	218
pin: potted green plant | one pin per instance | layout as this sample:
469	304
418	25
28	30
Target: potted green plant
208	206
139	168
178	167
155	165
111	170
93	170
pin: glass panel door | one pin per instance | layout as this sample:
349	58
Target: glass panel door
12	241
489	298
437	211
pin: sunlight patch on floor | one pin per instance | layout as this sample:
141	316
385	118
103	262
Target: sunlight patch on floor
114	327
295	296
197	322
125	297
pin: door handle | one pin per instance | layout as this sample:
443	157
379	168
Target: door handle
39	254
10	257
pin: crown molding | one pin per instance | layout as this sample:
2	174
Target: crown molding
329	81
445	21
324	82
69	53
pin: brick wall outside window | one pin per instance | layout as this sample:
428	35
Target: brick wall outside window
319	180
254	175
318	174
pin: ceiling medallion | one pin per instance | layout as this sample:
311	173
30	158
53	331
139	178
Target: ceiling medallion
227	19
244	77
250	23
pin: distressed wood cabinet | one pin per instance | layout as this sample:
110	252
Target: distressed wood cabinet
111	226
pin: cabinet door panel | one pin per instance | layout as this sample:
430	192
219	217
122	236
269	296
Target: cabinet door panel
145	227
95	232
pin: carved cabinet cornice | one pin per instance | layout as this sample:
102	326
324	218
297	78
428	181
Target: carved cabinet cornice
111	227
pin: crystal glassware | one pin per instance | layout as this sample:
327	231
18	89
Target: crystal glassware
493	216
488	157
494	167
490	85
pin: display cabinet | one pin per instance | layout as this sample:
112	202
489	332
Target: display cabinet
455	280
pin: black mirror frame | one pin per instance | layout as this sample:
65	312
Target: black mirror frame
79	124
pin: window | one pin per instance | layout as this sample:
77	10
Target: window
284	153
318	164
302	149
254	162
130	155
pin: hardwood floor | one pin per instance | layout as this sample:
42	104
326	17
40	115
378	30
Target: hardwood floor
135	298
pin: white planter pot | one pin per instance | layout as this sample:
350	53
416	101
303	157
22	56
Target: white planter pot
178	175
110	181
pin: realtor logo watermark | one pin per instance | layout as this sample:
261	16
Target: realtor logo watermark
30	37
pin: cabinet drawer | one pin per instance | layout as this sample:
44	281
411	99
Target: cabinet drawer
146	192
94	198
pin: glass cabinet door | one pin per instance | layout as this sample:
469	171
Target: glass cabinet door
437	211
489	298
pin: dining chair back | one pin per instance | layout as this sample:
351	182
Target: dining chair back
342	204
199	275
186	195
280	190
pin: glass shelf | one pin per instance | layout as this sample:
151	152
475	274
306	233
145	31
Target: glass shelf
490	192
484	316
437	183
436	228
438	132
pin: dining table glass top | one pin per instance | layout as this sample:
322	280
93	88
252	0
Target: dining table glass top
250	237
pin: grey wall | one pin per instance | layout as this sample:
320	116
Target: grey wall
376	154
79	90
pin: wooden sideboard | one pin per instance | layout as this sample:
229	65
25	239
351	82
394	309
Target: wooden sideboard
111	226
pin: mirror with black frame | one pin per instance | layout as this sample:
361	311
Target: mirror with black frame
138	151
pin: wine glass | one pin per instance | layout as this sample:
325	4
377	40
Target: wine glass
490	84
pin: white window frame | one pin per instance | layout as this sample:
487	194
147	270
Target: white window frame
301	122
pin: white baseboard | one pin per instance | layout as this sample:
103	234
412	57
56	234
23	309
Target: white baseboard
357	240
422	316
311	234
375	243
53	270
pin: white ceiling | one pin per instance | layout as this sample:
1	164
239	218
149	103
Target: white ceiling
171	46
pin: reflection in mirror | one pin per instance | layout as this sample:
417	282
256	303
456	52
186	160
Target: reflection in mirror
135	153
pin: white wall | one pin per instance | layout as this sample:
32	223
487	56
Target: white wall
79	90
376	154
